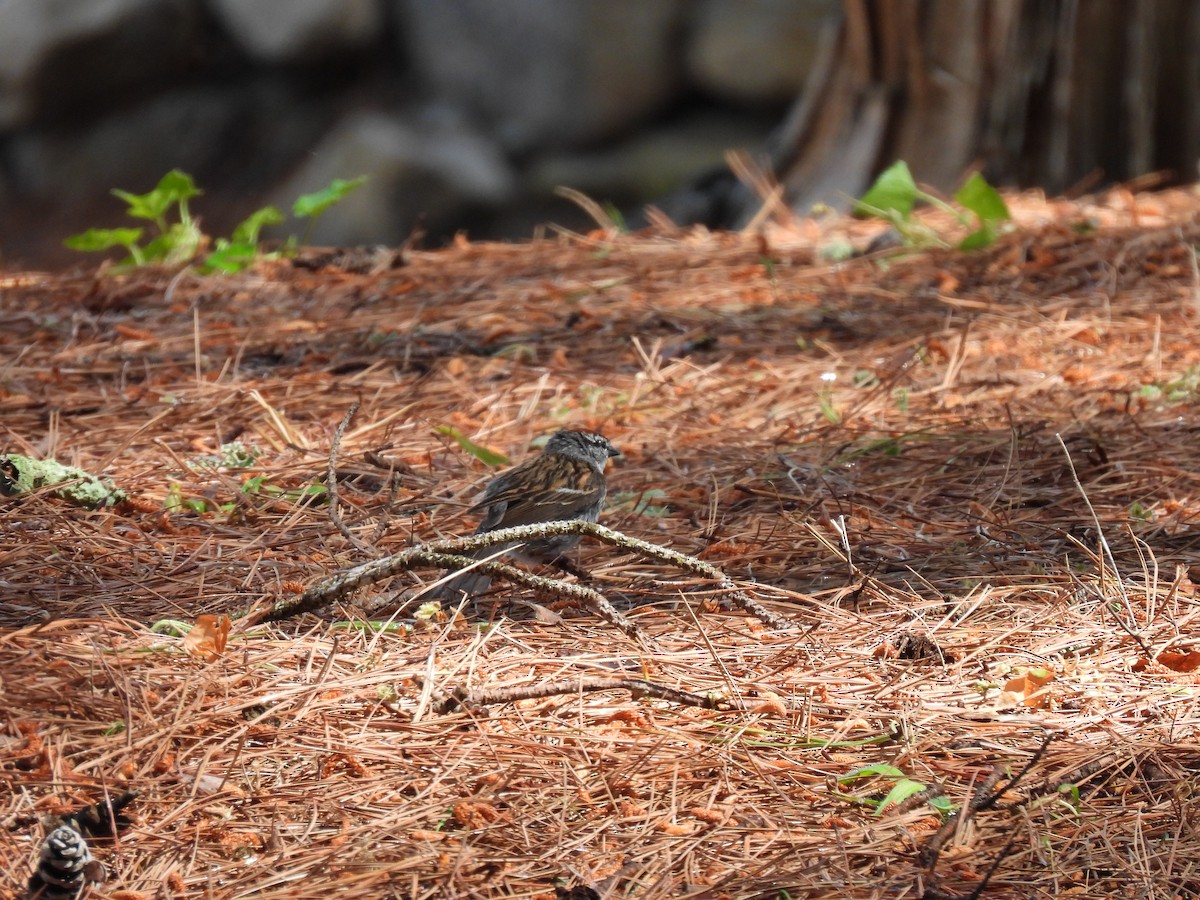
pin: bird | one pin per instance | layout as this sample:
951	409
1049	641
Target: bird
565	482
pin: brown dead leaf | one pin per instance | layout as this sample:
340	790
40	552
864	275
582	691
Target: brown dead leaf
1180	661
208	636
1028	689
676	828
708	815
303	326
133	334
477	814
947	283
771	704
433	837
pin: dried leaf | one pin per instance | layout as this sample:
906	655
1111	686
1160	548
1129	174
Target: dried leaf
1180	661
1028	689
208	636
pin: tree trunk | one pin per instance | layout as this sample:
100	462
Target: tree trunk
1061	94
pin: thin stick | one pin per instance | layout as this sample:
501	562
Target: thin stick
1108	557
445	701
326	592
433	553
335	515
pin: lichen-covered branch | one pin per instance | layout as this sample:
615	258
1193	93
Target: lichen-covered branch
446	701
452	553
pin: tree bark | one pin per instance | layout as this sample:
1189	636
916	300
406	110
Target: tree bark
1060	94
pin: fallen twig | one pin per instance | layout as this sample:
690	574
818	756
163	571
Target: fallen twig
445	701
335	515
452	553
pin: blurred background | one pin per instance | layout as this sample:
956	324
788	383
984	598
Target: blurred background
467	114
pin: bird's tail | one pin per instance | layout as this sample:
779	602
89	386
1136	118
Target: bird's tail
469	583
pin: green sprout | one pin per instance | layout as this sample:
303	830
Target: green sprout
894	195
175	237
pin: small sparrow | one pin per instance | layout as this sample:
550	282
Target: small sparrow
564	483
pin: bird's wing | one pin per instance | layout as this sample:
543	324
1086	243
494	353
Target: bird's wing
538	493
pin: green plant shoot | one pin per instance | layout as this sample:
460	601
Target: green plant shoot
894	195
313	206
176	238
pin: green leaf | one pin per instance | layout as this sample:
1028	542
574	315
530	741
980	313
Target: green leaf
1070	791
980	238
483	454
177	245
178	186
893	191
174	187
827	407
143	206
985	201
230	257
104	239
187	240
171	627
236	454
314	204
871	771
903	789
982	199
247	231
942	804
253	485
296	495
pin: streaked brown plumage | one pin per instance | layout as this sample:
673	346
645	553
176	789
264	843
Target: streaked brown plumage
565	482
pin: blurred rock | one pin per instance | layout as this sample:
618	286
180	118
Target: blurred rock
299	31
421	173
652	162
480	108
756	51
545	72
241	133
57	55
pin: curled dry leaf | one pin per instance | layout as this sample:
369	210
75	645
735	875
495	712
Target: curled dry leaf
470	814
676	828
709	815
207	637
430	836
770	703
1179	660
1028	689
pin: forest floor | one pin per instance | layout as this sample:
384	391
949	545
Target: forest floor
969	483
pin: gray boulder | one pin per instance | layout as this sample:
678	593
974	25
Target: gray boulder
421	172
299	31
57	55
543	72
